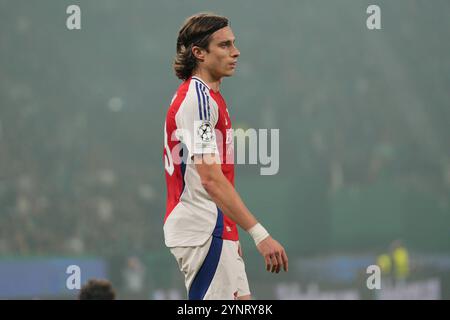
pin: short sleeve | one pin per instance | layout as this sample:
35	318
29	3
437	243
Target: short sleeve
196	120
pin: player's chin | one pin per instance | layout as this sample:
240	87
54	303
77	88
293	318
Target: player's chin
229	72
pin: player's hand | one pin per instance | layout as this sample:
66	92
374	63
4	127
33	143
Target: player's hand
274	255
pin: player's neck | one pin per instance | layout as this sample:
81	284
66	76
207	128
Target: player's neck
212	82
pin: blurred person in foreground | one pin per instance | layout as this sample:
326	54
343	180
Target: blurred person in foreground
97	289
203	207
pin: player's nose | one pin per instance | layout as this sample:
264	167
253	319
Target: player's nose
235	53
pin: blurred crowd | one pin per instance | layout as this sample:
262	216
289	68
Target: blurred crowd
81	120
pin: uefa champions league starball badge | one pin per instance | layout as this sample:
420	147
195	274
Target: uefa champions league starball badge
205	132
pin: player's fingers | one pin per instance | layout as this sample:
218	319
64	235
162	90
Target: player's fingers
267	260
273	258
279	262
285	260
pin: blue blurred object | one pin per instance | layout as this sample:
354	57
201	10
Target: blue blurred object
44	277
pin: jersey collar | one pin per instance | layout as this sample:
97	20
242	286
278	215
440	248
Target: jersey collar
203	82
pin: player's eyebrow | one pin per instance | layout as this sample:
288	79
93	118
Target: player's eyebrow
227	42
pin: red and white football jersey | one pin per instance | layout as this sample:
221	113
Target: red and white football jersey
197	122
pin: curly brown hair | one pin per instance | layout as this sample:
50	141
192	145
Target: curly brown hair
196	31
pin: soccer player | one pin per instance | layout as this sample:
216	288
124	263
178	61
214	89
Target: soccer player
203	206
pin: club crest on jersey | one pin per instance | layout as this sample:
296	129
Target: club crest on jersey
205	131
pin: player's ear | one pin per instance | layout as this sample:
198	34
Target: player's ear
199	53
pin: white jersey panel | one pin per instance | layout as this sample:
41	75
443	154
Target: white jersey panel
196	120
194	218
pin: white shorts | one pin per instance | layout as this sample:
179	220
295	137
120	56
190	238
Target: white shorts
213	271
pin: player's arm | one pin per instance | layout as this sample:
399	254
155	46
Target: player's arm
228	200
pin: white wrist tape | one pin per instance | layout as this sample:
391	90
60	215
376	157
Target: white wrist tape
258	233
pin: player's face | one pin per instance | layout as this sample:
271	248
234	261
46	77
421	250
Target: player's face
221	60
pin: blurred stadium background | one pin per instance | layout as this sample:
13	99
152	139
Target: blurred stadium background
364	119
